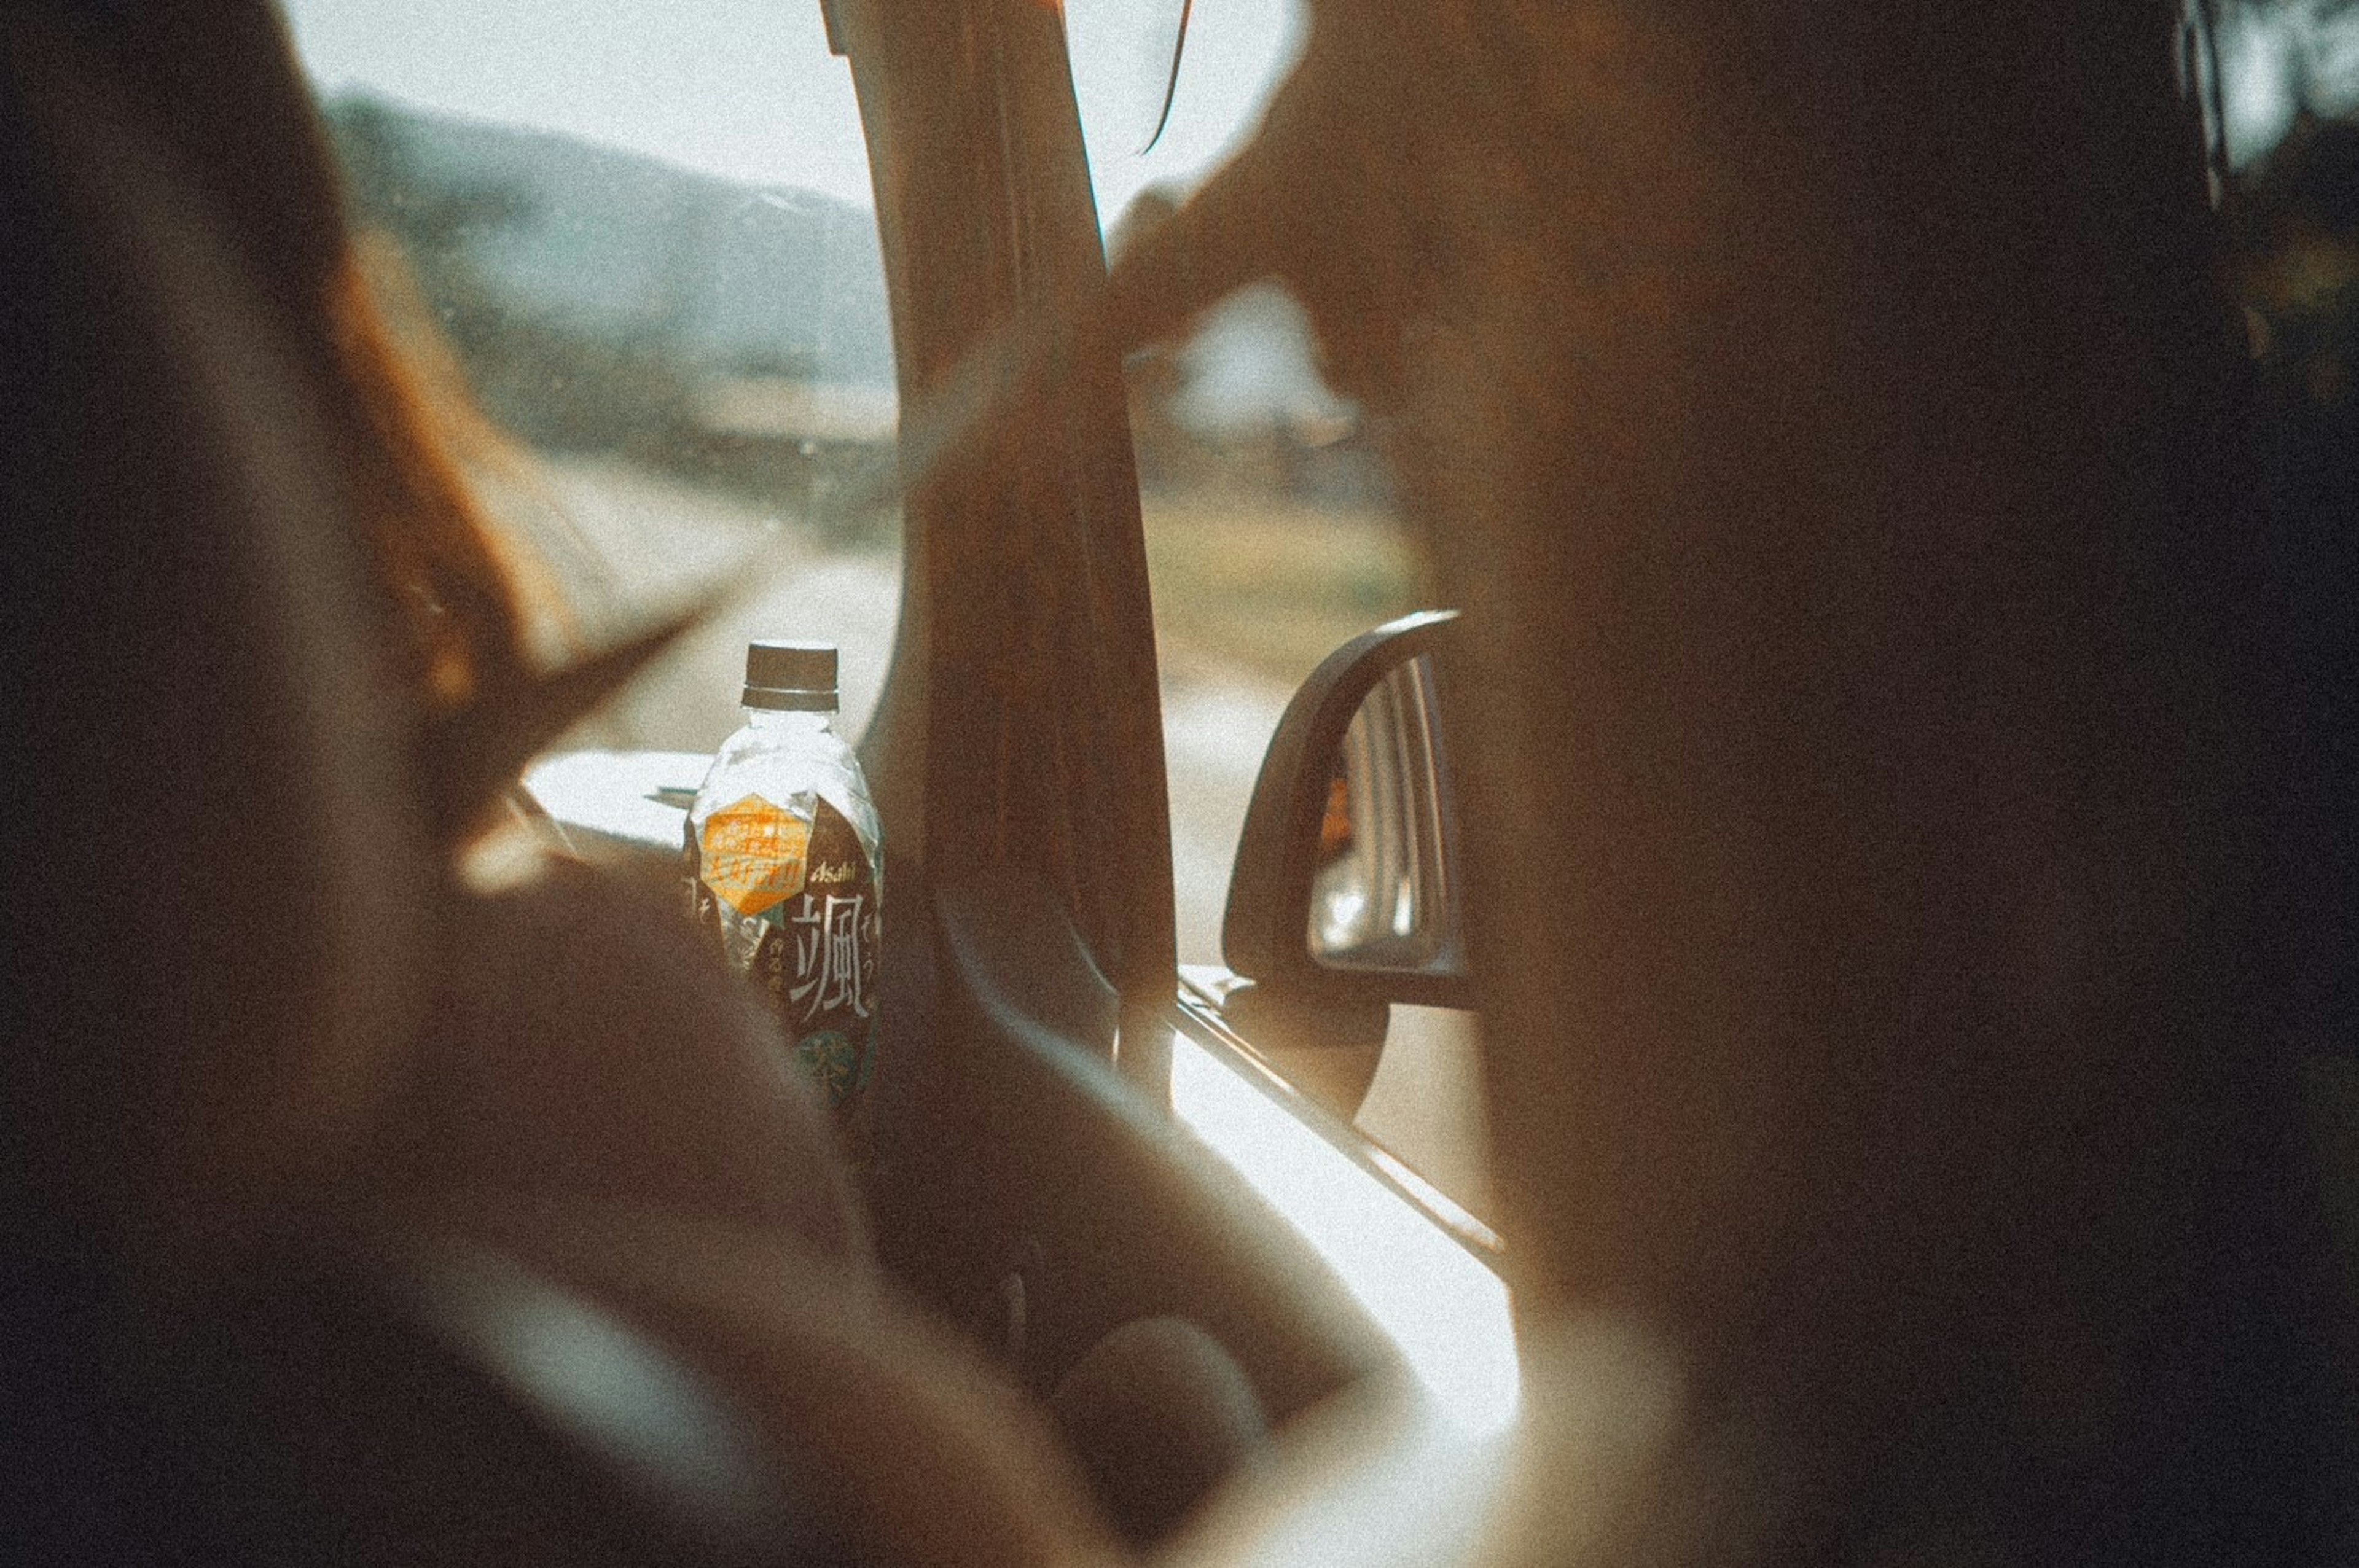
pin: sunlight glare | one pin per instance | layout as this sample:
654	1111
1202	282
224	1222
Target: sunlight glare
1448	1314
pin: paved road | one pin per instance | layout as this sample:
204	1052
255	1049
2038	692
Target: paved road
662	545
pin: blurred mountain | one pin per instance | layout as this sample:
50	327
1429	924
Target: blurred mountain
600	300
617	248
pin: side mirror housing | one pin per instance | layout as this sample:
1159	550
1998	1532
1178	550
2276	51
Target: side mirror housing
1346	893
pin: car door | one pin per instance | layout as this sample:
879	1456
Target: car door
1046	859
1031	1175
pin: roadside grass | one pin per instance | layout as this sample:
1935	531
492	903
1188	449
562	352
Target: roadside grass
1244	584
1271	585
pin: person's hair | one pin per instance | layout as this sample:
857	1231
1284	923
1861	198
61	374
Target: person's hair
267	172
437	555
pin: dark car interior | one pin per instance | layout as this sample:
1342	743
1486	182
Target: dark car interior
1894	811
158	411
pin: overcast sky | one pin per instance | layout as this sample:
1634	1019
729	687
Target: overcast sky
745	89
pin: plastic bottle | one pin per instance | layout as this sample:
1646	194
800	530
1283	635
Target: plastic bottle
785	868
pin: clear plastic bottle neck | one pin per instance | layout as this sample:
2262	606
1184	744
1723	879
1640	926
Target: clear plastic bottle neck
791	721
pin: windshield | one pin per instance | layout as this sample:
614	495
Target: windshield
640	237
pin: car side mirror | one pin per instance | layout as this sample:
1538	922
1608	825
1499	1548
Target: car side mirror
1346	893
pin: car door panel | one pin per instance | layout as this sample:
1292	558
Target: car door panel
1025	1155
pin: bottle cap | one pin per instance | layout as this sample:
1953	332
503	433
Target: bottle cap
794	677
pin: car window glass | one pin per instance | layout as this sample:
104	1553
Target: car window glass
641	238
1271	537
1271	533
1234	54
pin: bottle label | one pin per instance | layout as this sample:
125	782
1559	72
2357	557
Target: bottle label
803	923
754	854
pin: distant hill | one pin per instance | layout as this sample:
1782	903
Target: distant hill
619	248
601	301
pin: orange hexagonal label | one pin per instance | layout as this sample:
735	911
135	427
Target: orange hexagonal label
754	854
